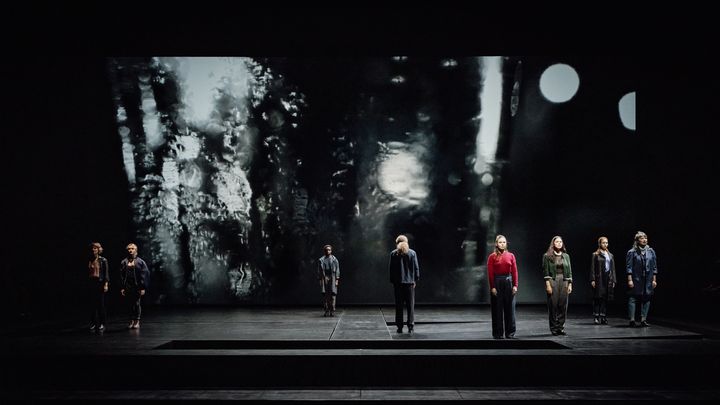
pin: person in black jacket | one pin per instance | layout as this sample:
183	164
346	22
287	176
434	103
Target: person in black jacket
134	276
98	280
404	274
602	280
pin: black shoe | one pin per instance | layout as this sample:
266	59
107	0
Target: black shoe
92	327
603	321
326	313
332	313
510	337
644	324
554	332
632	324
596	321
101	328
562	332
399	330
411	331
497	337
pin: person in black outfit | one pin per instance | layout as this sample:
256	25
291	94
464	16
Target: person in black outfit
98	281
602	280
134	275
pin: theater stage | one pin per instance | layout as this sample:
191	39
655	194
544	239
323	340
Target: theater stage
271	353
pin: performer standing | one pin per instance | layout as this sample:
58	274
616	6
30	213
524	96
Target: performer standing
602	280
134	276
329	276
503	278
558	284
404	273
641	264
99	278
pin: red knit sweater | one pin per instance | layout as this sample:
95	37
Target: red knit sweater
502	266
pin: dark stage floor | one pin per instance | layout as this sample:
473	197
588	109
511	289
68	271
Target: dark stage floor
296	353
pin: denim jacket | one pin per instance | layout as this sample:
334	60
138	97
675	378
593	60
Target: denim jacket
642	268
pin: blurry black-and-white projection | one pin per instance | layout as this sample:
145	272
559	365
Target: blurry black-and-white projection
241	169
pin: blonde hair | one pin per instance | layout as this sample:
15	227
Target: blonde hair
403	247
401	238
497	238
97	245
599	249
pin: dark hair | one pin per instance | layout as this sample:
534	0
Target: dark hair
551	249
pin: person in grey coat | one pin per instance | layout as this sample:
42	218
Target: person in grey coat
329	275
404	274
641	270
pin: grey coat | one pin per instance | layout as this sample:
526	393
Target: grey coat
328	272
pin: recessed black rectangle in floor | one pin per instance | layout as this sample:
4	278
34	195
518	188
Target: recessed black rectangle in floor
500	344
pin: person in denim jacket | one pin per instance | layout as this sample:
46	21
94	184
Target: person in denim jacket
641	265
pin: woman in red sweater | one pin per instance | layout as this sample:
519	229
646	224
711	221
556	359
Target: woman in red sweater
503	278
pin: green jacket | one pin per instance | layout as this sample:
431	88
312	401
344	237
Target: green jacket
549	267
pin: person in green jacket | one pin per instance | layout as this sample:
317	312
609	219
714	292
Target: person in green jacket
557	272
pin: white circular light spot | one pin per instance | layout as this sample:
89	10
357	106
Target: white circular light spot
486	179
626	108
559	83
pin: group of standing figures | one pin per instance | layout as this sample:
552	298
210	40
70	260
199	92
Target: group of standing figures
404	271
640	269
134	278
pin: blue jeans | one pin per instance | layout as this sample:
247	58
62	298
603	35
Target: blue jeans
645	307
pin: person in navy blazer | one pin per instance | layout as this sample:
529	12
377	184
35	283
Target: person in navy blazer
404	272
